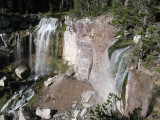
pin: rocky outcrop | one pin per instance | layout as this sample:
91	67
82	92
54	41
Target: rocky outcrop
22	71
45	113
85	46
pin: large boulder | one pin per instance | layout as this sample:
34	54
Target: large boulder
26	114
3	81
45	113
22	71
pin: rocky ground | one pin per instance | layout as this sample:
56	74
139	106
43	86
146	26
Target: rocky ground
69	97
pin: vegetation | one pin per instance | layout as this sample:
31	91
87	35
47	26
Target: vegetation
34	6
84	8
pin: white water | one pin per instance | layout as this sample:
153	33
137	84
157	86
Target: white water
24	96
3	39
19	47
119	68
30	50
45	35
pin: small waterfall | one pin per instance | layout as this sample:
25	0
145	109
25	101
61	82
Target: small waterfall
2	36
119	68
18	47
44	42
30	50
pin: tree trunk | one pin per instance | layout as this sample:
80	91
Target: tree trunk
126	3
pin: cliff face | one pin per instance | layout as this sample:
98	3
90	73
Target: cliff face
85	46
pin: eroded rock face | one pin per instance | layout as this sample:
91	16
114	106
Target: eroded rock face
44	113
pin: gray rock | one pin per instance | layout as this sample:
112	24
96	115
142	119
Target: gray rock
44	113
22	71
84	112
87	95
51	80
76	113
3	81
2	117
26	114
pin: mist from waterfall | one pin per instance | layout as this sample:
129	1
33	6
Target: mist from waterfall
45	35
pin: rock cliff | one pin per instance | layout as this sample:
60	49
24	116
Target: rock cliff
85	46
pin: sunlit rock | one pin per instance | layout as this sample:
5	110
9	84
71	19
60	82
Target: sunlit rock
22	71
3	81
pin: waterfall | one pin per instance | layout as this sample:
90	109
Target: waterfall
119	71
45	34
2	36
18	47
30	50
119	68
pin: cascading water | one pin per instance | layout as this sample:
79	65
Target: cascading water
44	39
119	71
119	68
30	50
18	48
3	39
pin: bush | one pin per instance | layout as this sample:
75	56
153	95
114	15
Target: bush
109	111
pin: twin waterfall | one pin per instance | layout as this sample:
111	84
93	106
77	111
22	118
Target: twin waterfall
42	50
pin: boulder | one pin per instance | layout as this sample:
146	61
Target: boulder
22	71
3	81
51	80
87	95
26	114
45	113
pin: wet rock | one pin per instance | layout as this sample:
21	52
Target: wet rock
3	81
26	114
22	71
45	113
